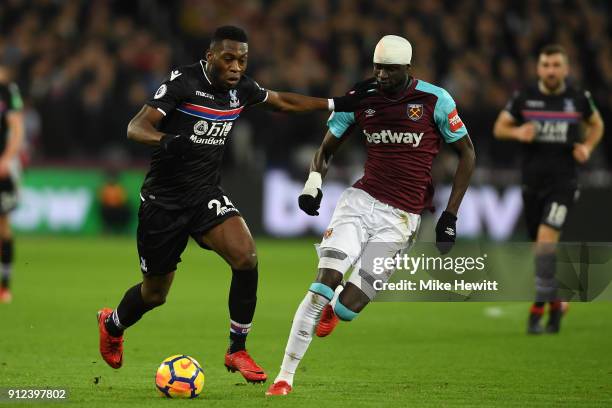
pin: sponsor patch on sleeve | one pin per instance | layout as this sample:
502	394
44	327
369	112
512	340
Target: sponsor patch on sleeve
454	121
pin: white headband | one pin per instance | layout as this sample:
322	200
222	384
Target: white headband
392	49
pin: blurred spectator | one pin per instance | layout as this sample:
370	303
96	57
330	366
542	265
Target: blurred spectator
88	66
114	209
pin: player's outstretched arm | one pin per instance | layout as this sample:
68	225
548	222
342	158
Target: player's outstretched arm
143	129
592	135
446	226
292	102
310	199
506	128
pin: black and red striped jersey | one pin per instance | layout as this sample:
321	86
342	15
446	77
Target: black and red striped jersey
548	159
193	107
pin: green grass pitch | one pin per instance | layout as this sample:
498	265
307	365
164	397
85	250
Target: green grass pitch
394	354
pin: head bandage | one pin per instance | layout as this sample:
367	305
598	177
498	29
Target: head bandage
392	49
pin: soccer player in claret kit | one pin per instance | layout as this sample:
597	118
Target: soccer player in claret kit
547	118
12	130
403	126
189	119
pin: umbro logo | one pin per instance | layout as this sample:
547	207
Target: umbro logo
175	74
369	113
449	231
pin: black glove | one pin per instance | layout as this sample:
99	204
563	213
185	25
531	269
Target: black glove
350	101
309	203
446	231
175	145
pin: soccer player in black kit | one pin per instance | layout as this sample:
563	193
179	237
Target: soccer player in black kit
548	118
12	131
189	119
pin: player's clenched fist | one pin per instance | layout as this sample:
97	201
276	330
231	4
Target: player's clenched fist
526	132
581	152
446	231
310	199
176	145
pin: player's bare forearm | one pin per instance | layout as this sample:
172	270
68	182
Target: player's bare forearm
322	158
505	127
143	127
15	122
594	130
465	168
292	102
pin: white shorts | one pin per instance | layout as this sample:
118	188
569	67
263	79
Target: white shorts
361	229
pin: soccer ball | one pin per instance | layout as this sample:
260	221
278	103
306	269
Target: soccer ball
180	376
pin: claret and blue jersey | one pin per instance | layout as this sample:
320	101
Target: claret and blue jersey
402	137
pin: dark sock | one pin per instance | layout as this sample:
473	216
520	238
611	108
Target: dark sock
6	259
555	305
546	284
242	301
237	342
130	310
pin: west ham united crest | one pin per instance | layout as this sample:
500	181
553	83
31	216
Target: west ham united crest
415	111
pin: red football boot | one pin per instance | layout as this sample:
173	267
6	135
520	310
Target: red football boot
328	321
279	388
5	295
242	362
111	347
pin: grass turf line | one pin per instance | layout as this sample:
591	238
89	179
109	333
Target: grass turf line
394	354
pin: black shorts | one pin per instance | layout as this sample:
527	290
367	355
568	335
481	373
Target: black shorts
548	206
8	195
162	234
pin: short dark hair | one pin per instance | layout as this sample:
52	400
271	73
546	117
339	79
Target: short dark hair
229	33
551	49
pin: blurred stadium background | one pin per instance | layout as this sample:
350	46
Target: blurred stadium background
86	67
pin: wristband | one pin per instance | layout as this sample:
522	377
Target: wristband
314	181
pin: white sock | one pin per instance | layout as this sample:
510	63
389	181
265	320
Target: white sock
304	323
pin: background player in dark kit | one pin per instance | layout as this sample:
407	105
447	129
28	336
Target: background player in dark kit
189	119
548	117
12	130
